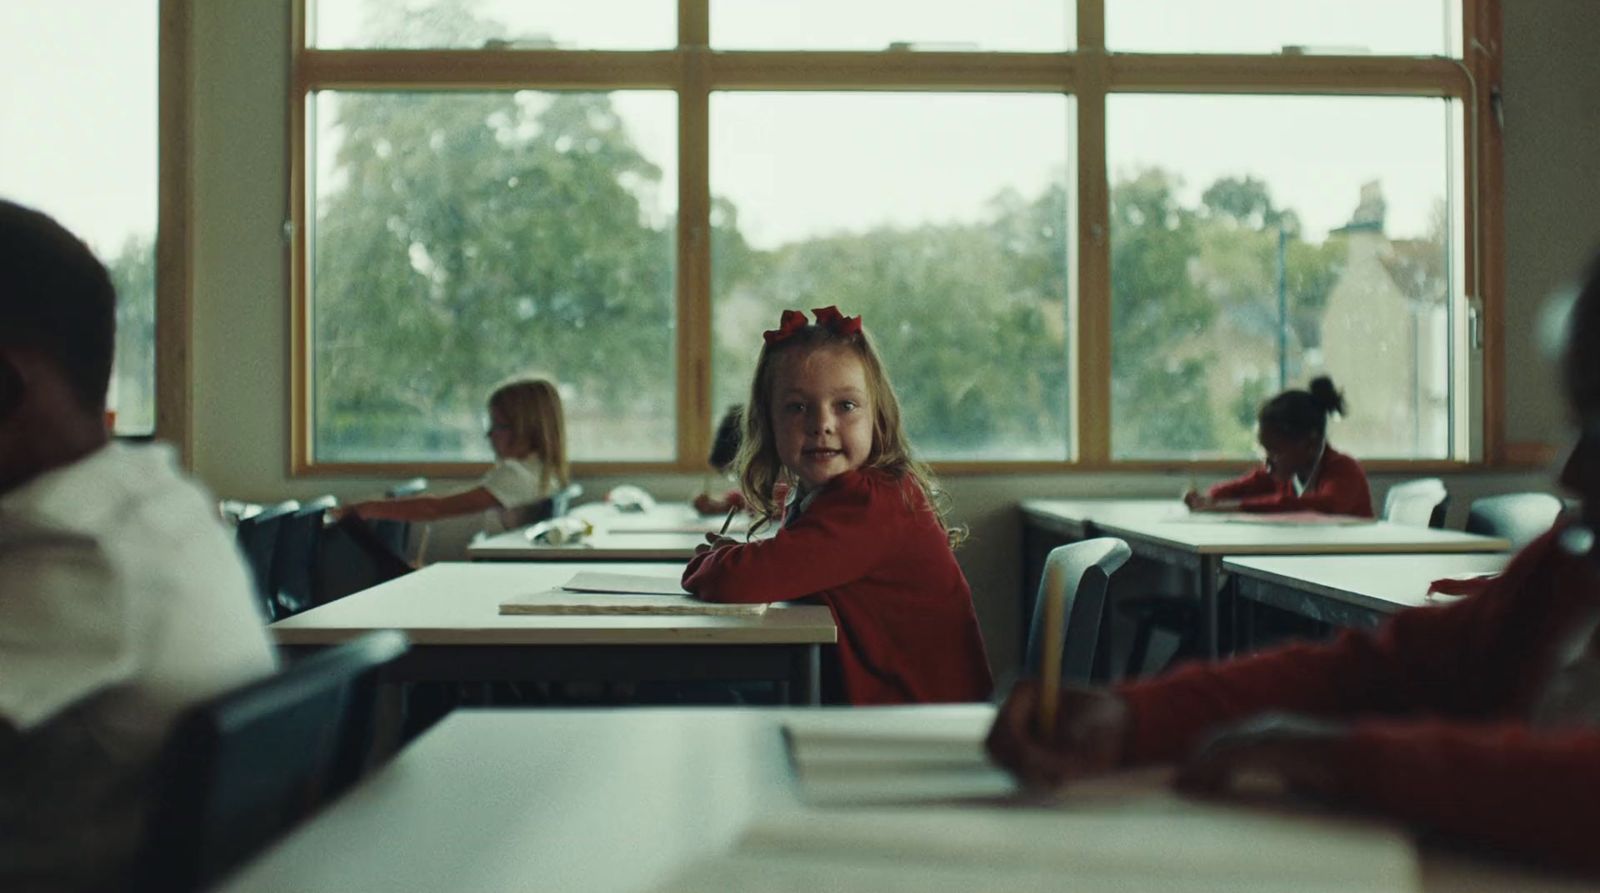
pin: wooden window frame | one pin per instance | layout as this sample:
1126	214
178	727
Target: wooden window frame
693	71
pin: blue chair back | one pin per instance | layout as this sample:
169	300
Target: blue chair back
1078	576
257	536
240	770
294	561
1518	517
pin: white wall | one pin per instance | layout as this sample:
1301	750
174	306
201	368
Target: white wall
241	317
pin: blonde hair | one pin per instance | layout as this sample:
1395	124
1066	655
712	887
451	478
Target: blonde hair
758	462
532	410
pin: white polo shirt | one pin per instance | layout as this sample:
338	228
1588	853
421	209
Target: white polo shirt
122	601
515	484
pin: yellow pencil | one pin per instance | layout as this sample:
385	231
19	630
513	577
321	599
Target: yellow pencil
1050	659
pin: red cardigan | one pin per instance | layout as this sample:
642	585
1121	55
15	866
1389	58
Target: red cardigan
1437	699
870	549
1339	488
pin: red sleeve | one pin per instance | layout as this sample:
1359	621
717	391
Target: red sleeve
1257	482
1465	660
836	540
1341	489
1536	792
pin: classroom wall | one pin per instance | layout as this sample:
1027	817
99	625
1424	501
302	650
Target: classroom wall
241	343
1552	116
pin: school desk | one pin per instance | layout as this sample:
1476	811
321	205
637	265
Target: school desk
666	532
1198	544
1351	591
450	612
622	801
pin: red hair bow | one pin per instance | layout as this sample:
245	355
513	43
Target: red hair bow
792	321
831	319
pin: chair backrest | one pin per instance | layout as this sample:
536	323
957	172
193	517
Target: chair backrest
294	561
1419	503
240	770
1518	517
257	536
553	506
396	535
1078	574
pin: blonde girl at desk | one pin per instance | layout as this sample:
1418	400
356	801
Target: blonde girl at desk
527	431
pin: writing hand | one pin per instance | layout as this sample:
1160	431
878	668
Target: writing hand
1195	501
714	541
1089	737
1286	751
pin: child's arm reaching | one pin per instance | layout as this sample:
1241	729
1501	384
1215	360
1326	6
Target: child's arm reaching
425	508
839	538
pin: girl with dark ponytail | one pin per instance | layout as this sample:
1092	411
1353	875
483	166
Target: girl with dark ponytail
1302	472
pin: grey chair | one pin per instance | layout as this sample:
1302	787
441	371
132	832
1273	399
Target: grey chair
238	771
1077	576
294	561
1419	503
396	535
1518	517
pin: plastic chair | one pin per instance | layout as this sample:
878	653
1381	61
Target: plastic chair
1518	517
397	534
1078	574
553	506
257	536
238	771
1419	503
294	561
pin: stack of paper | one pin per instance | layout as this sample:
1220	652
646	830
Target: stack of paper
959	824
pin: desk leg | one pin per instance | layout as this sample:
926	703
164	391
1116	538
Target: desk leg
1209	566
807	686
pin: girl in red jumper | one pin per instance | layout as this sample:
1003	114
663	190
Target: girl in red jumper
1480	720
863	533
1302	473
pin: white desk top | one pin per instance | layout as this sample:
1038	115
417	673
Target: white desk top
457	603
1077	513
595	801
1381	582
667	532
1227	537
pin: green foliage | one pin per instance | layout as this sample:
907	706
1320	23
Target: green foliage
133	274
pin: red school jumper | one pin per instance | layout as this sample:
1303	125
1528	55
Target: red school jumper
870	549
1438	699
1338	487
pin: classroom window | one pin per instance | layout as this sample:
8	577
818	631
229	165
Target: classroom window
1258	241
1044	26
943	219
464	238
89	113
1071	250
493	24
1346	27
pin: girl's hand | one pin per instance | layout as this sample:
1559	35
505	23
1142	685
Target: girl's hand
713	542
1089	737
1276	752
1195	501
706	504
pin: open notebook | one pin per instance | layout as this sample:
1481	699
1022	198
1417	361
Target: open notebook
558	601
957	823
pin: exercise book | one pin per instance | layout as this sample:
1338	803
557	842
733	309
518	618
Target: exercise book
557	601
636	584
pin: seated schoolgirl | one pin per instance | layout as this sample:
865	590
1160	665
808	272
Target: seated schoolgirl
528	434
1302	472
863	534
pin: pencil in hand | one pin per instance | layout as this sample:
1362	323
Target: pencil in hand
727	521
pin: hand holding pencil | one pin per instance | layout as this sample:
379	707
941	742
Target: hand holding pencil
720	538
1086	736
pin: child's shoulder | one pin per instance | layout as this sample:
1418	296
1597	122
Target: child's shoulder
875	485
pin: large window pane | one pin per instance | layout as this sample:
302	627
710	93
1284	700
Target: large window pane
1394	27
998	25
943	218
1259	241
490	24
78	125
461	238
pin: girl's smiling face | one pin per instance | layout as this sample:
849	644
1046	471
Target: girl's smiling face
822	414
